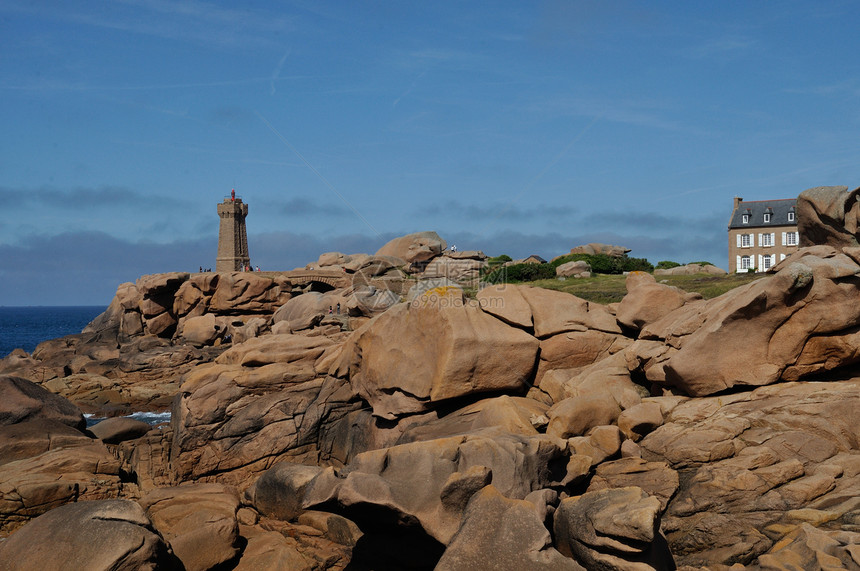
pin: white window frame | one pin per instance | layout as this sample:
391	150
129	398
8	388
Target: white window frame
791	216
767	216
747	241
746	262
745	218
767	262
790	239
766	240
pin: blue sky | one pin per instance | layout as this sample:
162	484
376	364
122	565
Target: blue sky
509	127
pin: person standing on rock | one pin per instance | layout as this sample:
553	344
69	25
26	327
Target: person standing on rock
338	308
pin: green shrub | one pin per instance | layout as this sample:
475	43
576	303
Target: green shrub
635	264
600	264
521	273
494	263
703	263
666	264
603	264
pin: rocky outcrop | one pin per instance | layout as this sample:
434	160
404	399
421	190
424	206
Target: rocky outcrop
417	247
828	215
808	547
22	400
455	266
309	309
597	248
755	465
382	483
691	269
264	401
435	288
119	429
108	534
159	304
34	437
31	486
613	530
525	428
799	322
198	521
45	458
411	358
545	312
279	492
518	538
142	375
146	460
575	269
647	301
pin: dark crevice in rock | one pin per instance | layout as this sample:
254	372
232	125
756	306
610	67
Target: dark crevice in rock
390	542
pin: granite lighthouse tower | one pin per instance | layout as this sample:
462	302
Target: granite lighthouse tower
232	237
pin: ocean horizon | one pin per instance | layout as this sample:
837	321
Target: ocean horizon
26	326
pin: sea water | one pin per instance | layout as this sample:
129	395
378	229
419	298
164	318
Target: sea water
26	327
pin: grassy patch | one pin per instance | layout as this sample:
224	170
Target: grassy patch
610	288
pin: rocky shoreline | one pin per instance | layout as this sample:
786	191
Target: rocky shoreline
395	420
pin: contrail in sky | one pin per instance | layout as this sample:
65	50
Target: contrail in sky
316	172
277	71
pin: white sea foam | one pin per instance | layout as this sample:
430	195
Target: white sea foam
151	418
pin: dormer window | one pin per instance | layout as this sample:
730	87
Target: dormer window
767	216
746	218
791	216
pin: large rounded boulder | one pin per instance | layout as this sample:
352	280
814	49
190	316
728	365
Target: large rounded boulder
417	247
107	534
413	356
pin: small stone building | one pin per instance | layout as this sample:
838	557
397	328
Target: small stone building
761	233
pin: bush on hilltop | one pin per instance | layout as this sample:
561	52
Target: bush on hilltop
521	273
600	264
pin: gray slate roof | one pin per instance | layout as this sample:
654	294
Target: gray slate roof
756	210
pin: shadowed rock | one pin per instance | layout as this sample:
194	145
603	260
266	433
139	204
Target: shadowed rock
198	521
101	535
451	469
516	539
613	530
828	215
118	429
21	400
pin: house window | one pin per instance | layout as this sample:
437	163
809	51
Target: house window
746	218
791	238
766	240
745	262
767	216
791	216
745	240
766	262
